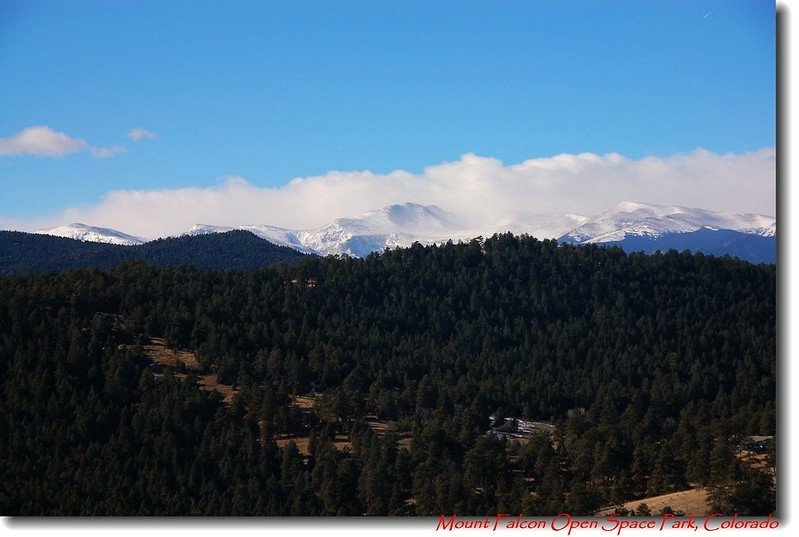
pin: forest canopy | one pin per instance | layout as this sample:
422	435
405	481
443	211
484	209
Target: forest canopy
651	370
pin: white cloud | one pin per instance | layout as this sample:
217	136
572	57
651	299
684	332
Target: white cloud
141	134
106	152
42	141
481	189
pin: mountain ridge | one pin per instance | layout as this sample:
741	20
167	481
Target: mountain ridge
83	232
30	252
626	224
642	219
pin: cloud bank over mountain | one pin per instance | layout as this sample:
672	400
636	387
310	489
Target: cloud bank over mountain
481	189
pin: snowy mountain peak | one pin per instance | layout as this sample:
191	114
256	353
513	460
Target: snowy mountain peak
206	229
405	218
82	232
629	206
412	211
646	220
395	225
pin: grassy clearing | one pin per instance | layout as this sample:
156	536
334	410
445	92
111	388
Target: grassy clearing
692	501
182	360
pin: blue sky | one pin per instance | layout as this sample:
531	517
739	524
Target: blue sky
270	91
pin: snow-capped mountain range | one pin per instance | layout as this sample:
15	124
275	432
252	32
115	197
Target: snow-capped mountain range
402	225
396	225
82	232
642	220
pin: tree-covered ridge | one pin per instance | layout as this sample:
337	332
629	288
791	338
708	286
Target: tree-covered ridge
25	252
652	367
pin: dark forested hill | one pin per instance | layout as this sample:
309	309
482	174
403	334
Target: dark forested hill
27	252
647	371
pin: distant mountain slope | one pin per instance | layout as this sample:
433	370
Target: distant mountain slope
276	235
753	248
28	252
633	226
82	232
639	227
398	225
645	220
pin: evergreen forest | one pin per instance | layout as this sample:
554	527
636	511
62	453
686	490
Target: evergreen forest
648	372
